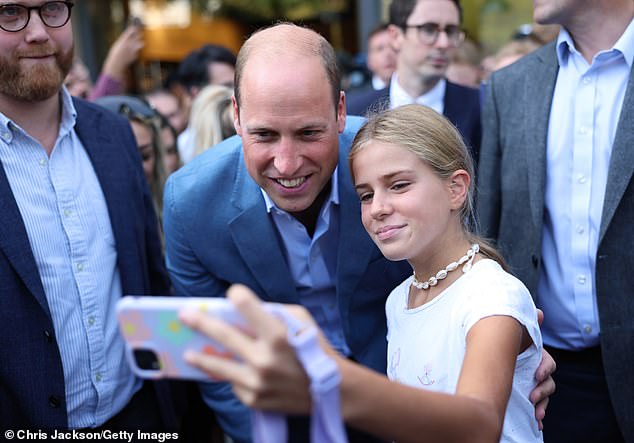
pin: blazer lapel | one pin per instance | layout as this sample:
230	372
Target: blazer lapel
355	245
257	240
622	159
14	242
453	104
103	156
538	96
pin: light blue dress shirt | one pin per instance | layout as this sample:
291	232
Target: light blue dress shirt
67	222
586	105
313	262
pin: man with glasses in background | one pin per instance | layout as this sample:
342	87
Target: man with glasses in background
425	34
77	231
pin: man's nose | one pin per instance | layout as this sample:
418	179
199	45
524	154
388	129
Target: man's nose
442	41
287	158
35	29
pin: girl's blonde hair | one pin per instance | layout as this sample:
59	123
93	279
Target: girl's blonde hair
437	143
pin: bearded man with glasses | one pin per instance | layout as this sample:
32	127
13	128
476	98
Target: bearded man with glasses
425	34
77	231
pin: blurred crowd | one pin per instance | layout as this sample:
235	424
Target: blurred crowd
193	111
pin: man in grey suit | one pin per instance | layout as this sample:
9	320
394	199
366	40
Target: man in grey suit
556	192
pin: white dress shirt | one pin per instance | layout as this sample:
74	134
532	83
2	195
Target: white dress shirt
434	98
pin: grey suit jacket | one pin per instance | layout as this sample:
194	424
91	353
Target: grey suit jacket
511	206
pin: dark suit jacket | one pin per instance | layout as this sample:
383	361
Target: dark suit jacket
511	206
462	108
31	375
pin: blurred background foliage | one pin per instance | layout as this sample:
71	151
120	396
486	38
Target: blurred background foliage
267	10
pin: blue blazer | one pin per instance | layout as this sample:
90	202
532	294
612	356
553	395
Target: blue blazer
31	375
218	232
462	108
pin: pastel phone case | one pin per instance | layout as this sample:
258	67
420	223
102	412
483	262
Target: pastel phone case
156	339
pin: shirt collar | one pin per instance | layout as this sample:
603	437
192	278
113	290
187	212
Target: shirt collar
333	198
69	113
69	117
433	98
378	83
565	46
625	45
4	123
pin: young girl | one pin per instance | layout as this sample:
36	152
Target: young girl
461	330
460	324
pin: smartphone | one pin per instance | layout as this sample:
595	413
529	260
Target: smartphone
156	339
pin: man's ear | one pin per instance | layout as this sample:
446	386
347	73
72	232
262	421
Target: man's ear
458	187
397	35
236	116
341	112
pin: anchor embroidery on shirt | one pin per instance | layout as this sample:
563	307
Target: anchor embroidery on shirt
426	379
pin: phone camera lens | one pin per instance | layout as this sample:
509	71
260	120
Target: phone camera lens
147	360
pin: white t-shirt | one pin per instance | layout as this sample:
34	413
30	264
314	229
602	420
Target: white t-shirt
426	345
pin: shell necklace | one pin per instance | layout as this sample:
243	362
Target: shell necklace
466	260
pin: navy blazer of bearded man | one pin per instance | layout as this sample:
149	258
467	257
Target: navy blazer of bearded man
32	391
511	188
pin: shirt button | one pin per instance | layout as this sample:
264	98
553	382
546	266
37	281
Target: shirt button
67	213
80	267
91	321
98	376
43	162
586	80
582	178
583	130
580	229
581	279
587	329
6	136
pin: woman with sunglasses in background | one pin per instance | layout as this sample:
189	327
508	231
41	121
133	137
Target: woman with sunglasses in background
146	126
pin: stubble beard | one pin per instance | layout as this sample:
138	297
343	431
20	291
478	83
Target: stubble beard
37	83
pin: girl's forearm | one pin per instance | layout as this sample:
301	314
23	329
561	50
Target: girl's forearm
393	411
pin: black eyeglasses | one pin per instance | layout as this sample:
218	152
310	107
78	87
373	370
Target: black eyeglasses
428	33
14	17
